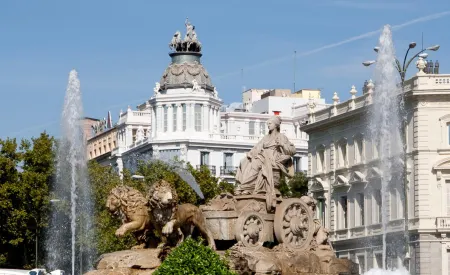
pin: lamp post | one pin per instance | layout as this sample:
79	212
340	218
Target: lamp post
402	68
137	177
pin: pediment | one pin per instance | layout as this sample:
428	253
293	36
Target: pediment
341	181
373	173
443	164
357	177
317	185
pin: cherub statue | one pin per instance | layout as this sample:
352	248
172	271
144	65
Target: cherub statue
196	87
156	89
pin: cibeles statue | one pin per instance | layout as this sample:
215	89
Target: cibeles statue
261	170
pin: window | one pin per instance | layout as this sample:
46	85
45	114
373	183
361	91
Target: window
447	185
251	128
342	154
361	263
262	128
343	205
297	164
184	117
174	118
377	206
114	144
320	160
204	158
393	204
165	117
134	135
198	117
359	150
376	149
378	260
228	160
448	133
360	210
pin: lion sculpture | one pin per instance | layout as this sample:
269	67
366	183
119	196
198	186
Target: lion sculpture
174	222
132	207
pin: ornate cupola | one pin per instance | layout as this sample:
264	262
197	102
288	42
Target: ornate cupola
186	70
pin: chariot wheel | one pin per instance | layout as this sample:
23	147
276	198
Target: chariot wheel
294	224
250	229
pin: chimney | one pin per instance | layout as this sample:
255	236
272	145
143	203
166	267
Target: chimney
436	67
430	68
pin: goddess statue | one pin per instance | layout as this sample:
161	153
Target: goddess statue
261	170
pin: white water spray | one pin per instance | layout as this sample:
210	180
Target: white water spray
385	125
72	189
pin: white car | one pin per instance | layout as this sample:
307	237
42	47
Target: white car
30	272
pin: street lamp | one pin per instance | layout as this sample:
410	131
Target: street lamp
402	68
137	177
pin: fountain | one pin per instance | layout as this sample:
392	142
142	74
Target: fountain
384	126
72	190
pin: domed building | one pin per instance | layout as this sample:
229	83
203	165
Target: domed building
183	119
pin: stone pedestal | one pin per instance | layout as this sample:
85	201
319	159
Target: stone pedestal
127	262
280	261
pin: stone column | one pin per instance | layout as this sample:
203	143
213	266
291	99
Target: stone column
211	118
190	119
152	121
205	120
179	117
169	118
159	119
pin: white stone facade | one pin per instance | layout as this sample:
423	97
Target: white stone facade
183	119
344	170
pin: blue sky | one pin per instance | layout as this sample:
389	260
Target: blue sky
120	49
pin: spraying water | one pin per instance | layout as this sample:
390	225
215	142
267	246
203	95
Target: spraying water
71	189
134	160
384	124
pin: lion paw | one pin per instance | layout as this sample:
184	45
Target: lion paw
120	232
168	228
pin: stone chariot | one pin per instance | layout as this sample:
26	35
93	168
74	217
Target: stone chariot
245	218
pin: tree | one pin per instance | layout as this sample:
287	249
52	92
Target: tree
295	187
26	173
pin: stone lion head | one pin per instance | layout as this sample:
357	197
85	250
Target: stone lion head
125	199
162	195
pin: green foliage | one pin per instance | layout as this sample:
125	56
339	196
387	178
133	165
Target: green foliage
102	180
210	185
296	187
158	170
26	173
192	257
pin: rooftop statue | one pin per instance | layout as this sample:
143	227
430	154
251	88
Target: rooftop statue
190	43
263	167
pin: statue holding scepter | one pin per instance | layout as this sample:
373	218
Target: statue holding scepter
263	167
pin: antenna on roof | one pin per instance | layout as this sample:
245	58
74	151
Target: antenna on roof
422	41
295	68
242	80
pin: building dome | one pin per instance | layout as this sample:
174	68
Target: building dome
185	66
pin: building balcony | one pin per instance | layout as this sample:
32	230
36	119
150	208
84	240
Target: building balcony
228	170
211	168
443	223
